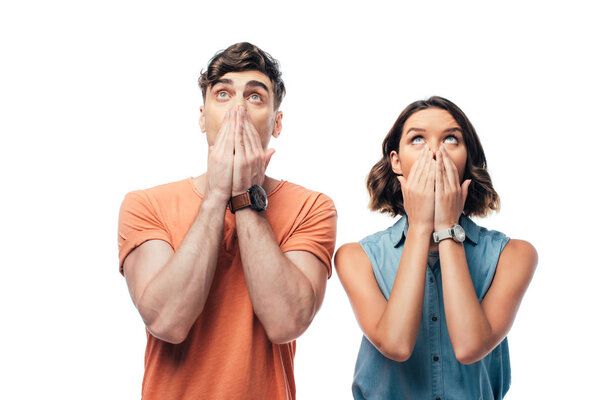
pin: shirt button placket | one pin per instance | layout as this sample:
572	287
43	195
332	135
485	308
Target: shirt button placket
434	336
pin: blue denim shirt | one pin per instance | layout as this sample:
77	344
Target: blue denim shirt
432	371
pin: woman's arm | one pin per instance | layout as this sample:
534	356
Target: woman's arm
476	329
392	326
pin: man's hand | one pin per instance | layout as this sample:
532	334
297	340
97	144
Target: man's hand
418	191
220	158
450	195
251	160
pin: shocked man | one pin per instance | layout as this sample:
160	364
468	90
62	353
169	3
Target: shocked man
228	268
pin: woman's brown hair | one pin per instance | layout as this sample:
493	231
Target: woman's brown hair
384	187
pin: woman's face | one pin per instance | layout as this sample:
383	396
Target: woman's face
432	127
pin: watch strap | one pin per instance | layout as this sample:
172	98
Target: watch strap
443	234
240	201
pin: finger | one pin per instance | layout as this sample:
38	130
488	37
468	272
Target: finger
439	174
425	175
268	154
228	140
222	131
451	171
430	181
247	139
416	172
465	191
253	136
403	183
239	141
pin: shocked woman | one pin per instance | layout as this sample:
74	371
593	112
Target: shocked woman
435	294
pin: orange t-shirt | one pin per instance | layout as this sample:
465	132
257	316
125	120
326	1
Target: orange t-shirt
227	354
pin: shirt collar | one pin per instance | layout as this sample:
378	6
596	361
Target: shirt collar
400	229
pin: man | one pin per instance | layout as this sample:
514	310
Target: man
227	269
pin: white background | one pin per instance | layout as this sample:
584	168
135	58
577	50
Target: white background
100	98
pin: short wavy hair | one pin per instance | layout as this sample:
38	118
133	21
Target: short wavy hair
384	187
241	57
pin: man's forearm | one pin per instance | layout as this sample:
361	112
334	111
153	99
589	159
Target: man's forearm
177	294
282	296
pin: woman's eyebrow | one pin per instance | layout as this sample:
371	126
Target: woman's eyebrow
415	129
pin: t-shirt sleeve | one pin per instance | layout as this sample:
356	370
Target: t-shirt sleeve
138	223
316	232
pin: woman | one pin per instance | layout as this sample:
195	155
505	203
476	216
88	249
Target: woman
435	294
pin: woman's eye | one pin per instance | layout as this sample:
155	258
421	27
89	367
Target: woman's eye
451	139
417	140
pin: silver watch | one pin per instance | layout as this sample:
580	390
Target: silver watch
457	233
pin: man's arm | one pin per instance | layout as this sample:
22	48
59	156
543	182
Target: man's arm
286	290
170	288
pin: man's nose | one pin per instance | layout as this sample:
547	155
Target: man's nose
238	101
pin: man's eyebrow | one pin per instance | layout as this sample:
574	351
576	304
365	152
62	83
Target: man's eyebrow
223	81
257	83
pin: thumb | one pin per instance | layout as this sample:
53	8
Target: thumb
402	181
268	154
465	189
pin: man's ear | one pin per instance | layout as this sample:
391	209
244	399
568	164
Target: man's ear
395	161
277	125
202	122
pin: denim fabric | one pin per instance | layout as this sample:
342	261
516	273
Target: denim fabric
432	371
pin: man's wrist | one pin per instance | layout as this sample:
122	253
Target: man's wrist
215	202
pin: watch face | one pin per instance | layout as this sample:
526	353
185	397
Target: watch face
258	198
459	233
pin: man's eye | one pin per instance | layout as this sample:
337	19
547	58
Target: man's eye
222	95
417	140
451	139
255	97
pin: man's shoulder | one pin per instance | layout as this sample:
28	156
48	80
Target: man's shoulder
292	193
164	191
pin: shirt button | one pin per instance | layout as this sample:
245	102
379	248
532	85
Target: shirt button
434	318
431	280
435	358
438	398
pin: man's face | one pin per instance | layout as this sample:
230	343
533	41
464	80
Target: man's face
252	90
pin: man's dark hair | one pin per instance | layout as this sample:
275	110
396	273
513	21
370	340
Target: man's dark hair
243	57
384	187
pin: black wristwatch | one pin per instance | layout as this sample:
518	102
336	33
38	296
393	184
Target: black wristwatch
255	198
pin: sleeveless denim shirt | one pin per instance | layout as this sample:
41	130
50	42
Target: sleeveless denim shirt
432	371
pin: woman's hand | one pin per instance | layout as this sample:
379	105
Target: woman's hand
418	192
450	195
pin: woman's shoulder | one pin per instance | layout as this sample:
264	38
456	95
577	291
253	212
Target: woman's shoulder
521	252
350	255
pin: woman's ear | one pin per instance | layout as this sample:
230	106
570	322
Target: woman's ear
395	161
